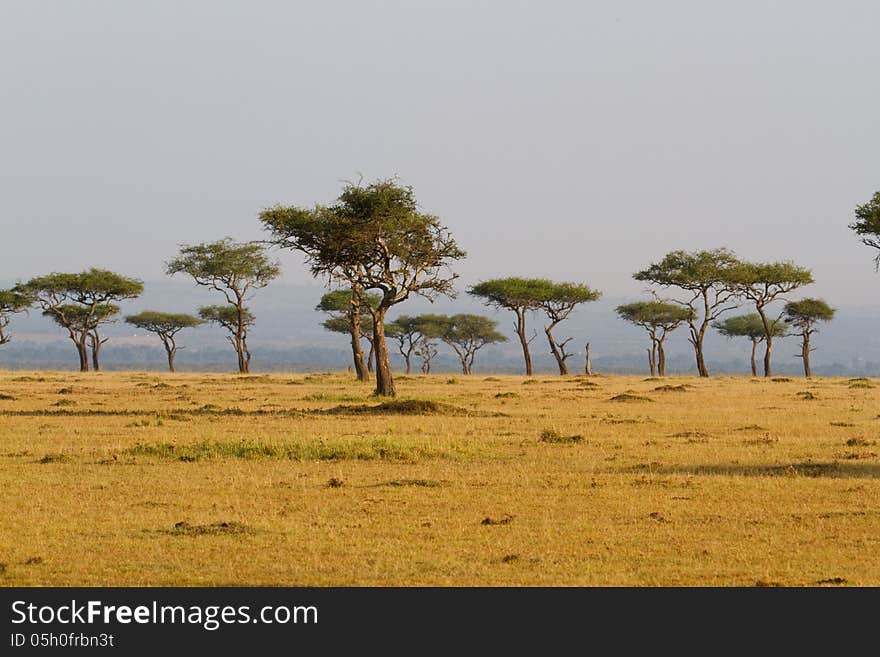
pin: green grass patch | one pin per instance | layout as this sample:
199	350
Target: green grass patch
316	450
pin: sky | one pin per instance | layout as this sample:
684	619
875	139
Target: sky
573	140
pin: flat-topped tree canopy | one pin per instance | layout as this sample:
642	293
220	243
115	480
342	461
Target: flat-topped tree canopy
79	302
159	322
373	238
166	326
867	225
762	283
658	319
703	277
749	326
11	302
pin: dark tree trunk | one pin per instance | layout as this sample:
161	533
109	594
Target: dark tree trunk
96	348
588	367
384	378
661	359
560	361
406	359
83	352
696	339
171	360
371	357
768	339
805	354
360	367
651	363
524	341
754	354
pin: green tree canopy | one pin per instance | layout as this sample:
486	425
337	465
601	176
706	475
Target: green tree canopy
466	334
519	295
80	302
11	302
558	301
806	312
749	326
166	326
704	279
867	225
658	319
373	238
762	283
236	270
803	315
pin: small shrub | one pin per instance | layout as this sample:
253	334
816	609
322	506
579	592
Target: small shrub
553	436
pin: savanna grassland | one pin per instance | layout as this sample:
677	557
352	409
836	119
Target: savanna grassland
198	479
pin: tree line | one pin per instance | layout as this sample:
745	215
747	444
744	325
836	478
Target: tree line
376	249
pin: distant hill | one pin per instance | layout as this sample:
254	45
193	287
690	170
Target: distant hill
288	337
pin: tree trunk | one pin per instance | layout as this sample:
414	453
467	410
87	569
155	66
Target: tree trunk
754	363
806	356
521	332
96	348
171	360
371	357
384	378
560	361
696	339
360	367
651	363
406	359
588	367
768	338
661	359
83	351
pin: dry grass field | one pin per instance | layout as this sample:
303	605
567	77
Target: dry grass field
198	479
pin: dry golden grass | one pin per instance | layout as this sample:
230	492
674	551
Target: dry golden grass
198	479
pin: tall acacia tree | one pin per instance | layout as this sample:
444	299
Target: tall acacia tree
519	295
659	320
762	283
166	326
804	315
558	301
80	303
11	302
465	334
704	278
354	311
373	238
752	327
236	270
867	225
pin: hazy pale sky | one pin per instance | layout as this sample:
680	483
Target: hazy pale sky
575	140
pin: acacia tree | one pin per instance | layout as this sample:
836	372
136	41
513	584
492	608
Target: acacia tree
752	327
354	312
236	321
426	350
465	334
520	295
703	277
762	283
408	331
659	320
11	302
867	225
80	303
558	300
166	326
373	238
803	315
235	270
